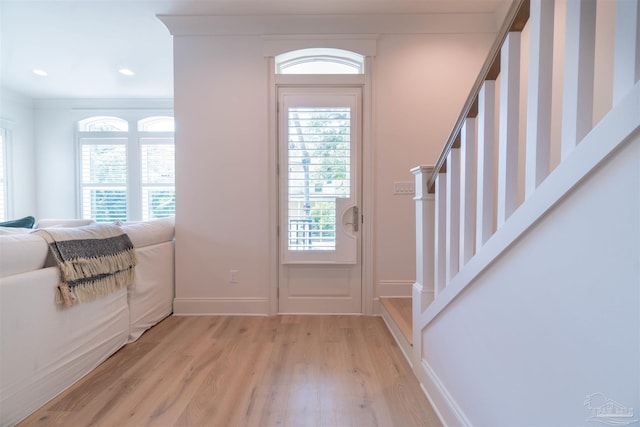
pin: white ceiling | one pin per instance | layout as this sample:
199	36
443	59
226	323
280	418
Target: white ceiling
83	43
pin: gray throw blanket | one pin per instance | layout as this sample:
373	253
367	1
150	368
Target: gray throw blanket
94	260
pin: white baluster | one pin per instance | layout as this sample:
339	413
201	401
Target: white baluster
485	210
577	101
626	68
440	220
538	144
467	189
508	127
452	237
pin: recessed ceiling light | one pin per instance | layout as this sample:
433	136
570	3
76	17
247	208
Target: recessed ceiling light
40	72
126	72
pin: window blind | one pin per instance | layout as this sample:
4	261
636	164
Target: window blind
319	157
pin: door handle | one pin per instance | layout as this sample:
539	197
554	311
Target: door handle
356	218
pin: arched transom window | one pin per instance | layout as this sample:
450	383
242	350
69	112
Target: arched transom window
320	61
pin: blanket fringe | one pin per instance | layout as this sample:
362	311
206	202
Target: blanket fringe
106	264
94	289
94	261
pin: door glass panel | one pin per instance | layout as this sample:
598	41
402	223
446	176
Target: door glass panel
319	172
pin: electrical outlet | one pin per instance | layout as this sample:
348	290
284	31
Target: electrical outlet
233	276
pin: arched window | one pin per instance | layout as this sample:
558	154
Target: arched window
126	175
156	124
103	124
320	61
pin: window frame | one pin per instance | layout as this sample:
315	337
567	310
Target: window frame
290	59
5	209
158	138
103	138
133	141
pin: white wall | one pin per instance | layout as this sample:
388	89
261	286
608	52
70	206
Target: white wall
421	83
222	210
556	317
16	115
55	160
223	219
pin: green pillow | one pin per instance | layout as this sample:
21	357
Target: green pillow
26	222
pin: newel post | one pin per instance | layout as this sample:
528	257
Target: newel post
423	290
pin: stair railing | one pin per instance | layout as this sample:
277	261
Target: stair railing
511	149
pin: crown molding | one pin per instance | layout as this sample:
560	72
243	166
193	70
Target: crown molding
271	25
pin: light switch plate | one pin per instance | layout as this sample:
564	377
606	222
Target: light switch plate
404	187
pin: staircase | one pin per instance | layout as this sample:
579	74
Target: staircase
527	231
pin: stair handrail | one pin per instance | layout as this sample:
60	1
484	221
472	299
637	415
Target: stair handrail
515	20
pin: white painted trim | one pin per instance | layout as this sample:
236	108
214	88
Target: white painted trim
425	230
376	307
538	133
368	191
440	221
272	188
508	126
102	104
626	64
452	225
395	288
6	131
443	403
364	44
617	127
368	305
303	24
319	79
424	391
577	95
468	177
216	306
485	194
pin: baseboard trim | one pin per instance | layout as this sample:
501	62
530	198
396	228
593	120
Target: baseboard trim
226	306
395	288
445	406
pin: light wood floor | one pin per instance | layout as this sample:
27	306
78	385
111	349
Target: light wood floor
220	371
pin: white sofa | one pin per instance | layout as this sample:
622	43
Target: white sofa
45	348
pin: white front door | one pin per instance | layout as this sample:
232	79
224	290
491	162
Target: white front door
319	169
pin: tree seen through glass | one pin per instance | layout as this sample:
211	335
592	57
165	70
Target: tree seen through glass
319	154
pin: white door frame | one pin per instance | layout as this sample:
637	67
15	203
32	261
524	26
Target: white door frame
313	280
367	173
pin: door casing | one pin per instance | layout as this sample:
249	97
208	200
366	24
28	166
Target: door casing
321	281
368	147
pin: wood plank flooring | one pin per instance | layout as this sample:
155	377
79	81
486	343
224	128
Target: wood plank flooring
232	371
